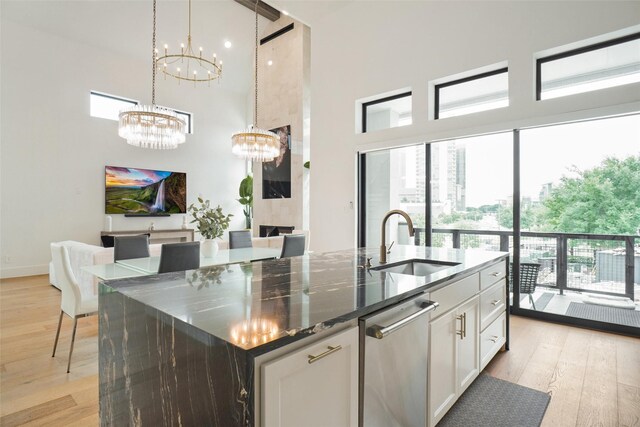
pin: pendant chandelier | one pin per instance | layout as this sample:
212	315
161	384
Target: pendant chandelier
187	65
150	126
254	143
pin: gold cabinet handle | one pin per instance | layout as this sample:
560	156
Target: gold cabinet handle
330	350
496	302
494	338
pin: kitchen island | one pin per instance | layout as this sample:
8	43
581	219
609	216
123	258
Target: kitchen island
186	348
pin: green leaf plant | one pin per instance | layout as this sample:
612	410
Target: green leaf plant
210	223
246	198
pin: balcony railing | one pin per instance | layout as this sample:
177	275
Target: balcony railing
597	263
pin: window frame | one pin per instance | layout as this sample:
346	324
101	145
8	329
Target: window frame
437	87
575	52
365	105
189	122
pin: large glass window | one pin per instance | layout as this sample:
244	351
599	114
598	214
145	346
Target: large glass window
472	189
565	205
390	112
580	197
395	179
607	64
481	92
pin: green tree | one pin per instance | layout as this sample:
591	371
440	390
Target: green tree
602	200
529	217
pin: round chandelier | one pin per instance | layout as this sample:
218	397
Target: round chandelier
187	65
150	126
254	143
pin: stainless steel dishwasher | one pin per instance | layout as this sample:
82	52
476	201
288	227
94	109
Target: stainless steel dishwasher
393	364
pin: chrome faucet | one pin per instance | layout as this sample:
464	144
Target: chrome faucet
383	245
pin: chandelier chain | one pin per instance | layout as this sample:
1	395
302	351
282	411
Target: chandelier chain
153	58
189	35
255	110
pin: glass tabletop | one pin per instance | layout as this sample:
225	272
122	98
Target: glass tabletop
150	265
112	271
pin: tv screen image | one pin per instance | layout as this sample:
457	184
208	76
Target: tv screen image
144	191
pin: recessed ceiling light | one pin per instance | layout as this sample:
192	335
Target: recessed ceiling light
269	62
227	44
285	13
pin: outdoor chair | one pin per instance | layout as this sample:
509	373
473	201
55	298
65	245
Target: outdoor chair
528	278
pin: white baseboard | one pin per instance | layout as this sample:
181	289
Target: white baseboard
28	270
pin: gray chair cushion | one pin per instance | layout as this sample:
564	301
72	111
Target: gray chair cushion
240	239
292	245
127	247
179	257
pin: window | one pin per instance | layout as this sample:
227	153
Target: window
108	106
481	92
390	112
187	117
599	66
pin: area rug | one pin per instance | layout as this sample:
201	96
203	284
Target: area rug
497	403
620	316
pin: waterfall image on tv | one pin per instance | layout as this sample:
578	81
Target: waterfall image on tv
144	191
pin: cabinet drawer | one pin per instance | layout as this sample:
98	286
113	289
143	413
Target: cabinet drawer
491	275
454	294
492	339
492	303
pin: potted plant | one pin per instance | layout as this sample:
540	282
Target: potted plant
246	199
210	223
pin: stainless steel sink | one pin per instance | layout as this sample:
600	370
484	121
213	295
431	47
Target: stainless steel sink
416	267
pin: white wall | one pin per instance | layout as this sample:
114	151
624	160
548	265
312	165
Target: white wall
373	47
53	153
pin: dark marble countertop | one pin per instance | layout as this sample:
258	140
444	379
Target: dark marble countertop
263	305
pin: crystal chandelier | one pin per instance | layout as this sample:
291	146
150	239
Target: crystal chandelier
254	143
150	126
188	65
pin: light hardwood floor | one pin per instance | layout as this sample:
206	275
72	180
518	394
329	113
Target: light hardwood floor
593	377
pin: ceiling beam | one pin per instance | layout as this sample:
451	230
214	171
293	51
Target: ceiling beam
264	9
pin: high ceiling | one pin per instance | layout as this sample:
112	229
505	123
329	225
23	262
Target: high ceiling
125	27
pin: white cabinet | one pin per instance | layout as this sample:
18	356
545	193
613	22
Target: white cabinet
467	344
453	358
316	385
465	333
442	365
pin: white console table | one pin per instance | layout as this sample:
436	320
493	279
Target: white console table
157	236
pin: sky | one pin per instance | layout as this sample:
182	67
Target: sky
130	177
546	155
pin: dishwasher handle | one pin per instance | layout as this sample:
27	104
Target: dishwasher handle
379	332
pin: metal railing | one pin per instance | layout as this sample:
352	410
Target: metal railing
597	263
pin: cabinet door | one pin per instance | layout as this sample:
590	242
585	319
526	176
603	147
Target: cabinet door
468	361
313	386
442	366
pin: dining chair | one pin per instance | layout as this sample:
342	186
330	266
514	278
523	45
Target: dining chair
240	239
128	247
179	257
75	302
528	279
292	245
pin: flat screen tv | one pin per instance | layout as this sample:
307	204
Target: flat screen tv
135	191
